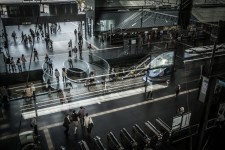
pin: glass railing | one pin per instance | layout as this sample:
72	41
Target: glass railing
76	69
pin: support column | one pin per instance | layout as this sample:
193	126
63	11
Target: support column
85	28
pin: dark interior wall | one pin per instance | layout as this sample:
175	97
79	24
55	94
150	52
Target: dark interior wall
43	19
18	78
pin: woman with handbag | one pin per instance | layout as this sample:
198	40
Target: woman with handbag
88	123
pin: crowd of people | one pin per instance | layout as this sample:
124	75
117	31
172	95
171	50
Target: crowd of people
78	117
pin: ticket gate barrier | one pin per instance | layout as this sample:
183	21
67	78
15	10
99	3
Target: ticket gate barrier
126	138
139	134
113	142
157	135
98	144
83	145
164	129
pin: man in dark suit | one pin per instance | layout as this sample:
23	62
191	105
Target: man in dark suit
66	124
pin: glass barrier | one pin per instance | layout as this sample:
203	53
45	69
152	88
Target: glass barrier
76	69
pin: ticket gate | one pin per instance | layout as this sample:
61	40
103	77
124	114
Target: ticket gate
141	136
157	135
126	139
83	145
164	129
98	144
113	143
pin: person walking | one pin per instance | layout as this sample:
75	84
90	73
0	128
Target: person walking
50	66
57	74
70	43
74	50
88	123
177	90
59	28
4	94
14	36
81	114
75	32
23	60
64	74
18	63
60	95
38	35
80	51
89	48
70	49
35	54
70	61
75	119
46	62
66	124
22	37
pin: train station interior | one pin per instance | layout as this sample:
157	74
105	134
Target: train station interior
139	74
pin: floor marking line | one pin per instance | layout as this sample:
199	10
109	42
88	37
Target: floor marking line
103	113
8	136
122	108
48	139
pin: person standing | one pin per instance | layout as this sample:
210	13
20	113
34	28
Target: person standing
177	90
33	90
88	123
35	54
48	86
66	124
75	119
23	60
64	74
81	114
149	96
57	74
61	96
5	95
18	63
13	65
28	93
8	63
